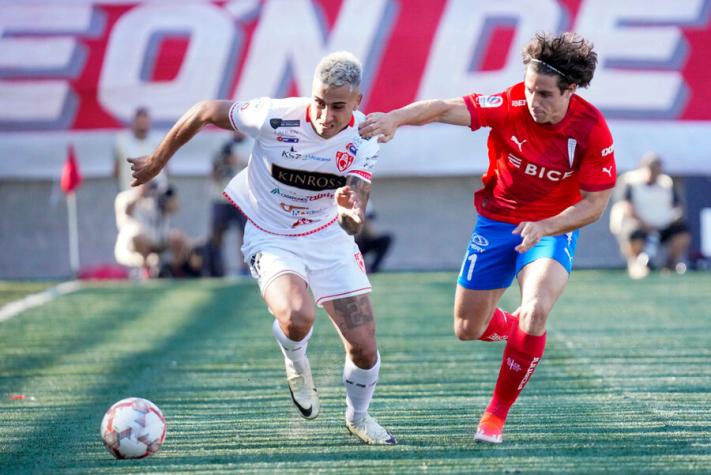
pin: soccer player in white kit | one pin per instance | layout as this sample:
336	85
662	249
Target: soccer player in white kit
309	170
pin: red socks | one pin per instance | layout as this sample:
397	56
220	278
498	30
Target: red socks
500	326
521	356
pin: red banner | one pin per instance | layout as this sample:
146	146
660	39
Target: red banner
88	65
76	71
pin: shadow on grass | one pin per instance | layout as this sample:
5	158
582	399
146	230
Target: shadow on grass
55	439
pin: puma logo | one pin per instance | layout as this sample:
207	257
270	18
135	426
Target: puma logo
515	140
608	170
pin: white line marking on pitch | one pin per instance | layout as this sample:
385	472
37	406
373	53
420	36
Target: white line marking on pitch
11	309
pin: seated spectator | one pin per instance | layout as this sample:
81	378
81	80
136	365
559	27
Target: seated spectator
374	246
647	217
142	219
232	157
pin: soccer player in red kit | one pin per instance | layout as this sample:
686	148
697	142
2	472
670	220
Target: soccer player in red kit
551	171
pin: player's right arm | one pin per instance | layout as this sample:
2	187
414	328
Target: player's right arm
206	112
447	111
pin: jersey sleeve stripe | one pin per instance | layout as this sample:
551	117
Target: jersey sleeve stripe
473	112
361	174
229	115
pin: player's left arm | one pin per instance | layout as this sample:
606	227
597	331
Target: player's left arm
597	176
214	112
586	211
351	201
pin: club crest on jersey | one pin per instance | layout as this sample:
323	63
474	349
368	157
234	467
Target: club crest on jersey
572	143
344	160
489	101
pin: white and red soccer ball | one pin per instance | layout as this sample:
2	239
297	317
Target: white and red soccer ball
133	428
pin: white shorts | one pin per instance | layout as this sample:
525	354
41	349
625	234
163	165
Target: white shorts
329	261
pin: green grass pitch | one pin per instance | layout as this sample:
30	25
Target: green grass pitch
624	386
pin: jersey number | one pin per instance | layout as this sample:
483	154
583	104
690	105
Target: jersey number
472	261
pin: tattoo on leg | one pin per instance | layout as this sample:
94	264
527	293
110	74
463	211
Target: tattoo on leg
355	311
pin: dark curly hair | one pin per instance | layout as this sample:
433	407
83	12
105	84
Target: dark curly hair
567	55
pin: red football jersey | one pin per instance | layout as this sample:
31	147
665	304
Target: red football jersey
537	170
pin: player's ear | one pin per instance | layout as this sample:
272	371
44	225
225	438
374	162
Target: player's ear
357	104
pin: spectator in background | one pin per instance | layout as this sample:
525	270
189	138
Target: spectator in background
135	142
647	215
142	219
232	158
372	245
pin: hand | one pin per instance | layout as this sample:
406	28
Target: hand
378	124
350	211
531	232
143	169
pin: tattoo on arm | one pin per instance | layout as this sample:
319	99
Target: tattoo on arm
361	189
354	311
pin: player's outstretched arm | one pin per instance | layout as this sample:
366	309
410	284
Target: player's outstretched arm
206	112
351	200
383	125
586	211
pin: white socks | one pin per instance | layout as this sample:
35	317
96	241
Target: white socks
294	351
360	386
360	383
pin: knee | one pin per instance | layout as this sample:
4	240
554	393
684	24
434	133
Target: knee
364	355
295	322
533	316
141	244
465	331
466	328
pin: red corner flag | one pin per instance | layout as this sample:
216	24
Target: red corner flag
71	178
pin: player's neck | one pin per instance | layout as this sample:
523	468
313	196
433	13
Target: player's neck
556	120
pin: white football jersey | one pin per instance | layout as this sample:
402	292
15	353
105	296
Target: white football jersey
288	187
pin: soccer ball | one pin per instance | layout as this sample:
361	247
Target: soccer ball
133	428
